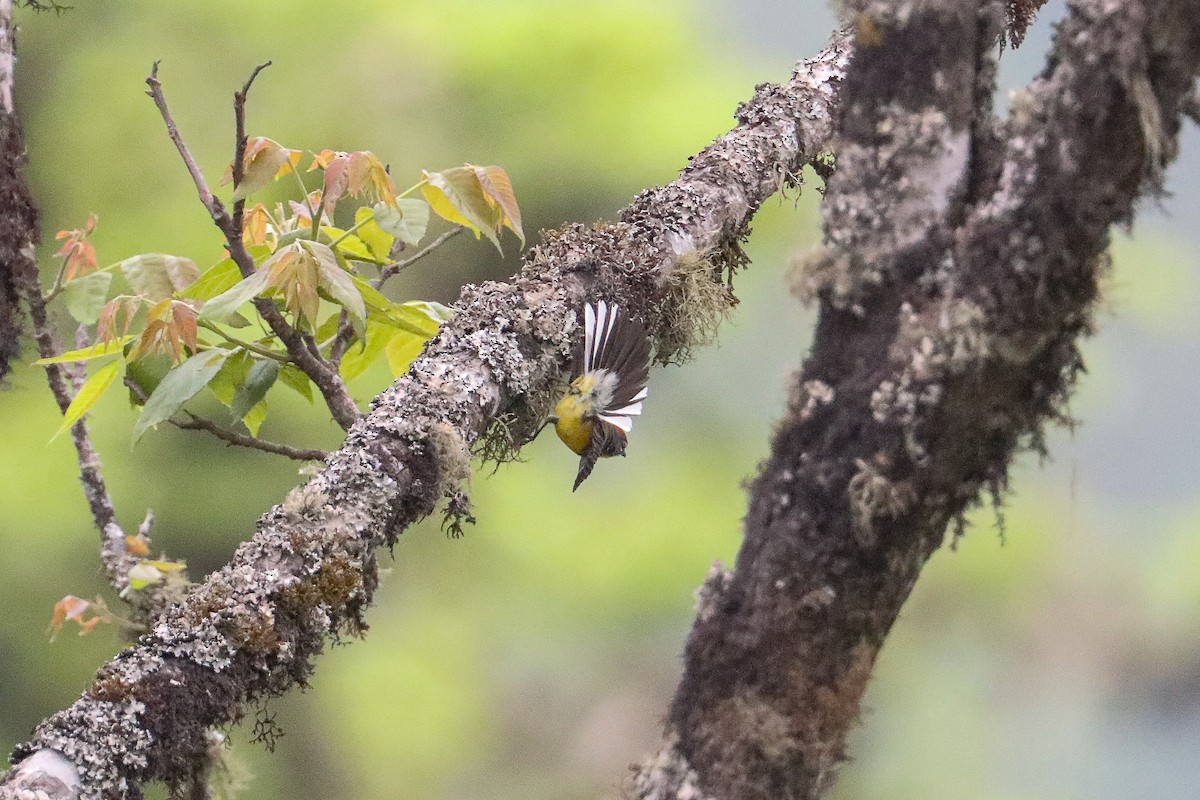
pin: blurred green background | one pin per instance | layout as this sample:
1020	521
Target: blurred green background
535	657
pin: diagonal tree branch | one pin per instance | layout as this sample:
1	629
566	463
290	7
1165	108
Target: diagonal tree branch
254	628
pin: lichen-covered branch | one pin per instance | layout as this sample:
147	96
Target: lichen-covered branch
255	627
300	351
959	272
23	214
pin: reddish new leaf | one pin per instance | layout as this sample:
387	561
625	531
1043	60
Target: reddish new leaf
257	227
77	252
497	189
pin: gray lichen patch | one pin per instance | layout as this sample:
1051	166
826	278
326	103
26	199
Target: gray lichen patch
665	775
888	194
875	496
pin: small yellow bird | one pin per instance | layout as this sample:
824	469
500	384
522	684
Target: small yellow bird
598	409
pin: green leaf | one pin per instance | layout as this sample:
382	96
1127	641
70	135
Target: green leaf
357	359
222	307
88	394
407	222
84	297
159	276
147	372
295	379
378	240
259	379
255	416
435	311
220	277
412	317
225	383
350	246
338	283
180	385
401	350
375	299
98	350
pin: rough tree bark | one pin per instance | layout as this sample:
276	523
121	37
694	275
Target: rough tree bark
959	272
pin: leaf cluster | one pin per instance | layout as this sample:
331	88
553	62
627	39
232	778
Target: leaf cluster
172	331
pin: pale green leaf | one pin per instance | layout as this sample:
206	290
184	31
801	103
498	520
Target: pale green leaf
401	350
378	240
435	311
159	276
88	394
84	297
355	248
222	307
338	283
98	350
180	385
414	319
220	277
349	245
357	359
407	222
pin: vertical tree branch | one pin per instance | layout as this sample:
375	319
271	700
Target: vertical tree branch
959	273
18	238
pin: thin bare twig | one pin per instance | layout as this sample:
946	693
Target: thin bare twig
341	340
198	423
394	268
234	438
206	196
240	139
323	374
345	331
58	376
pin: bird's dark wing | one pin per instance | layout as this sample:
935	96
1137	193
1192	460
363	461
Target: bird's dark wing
616	342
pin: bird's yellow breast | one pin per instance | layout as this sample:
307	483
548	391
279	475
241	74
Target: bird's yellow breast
574	412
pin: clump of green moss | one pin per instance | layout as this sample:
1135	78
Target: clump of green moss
697	298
